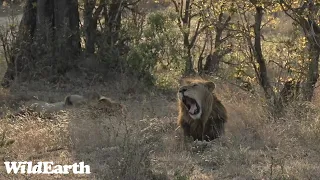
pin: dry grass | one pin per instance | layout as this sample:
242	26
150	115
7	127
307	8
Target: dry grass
142	142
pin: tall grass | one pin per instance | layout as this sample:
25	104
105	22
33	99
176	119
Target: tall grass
143	142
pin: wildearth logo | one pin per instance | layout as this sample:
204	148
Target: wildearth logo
45	168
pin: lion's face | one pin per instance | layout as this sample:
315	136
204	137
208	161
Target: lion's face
194	95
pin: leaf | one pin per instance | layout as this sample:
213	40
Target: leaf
34	5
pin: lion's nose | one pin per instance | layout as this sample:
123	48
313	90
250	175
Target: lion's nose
182	90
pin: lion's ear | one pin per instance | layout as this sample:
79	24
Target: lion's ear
211	85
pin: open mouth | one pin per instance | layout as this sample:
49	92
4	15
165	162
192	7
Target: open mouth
192	105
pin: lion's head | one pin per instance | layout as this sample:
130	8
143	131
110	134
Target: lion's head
196	96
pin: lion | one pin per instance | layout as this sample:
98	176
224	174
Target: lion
73	100
201	114
89	98
110	106
46	108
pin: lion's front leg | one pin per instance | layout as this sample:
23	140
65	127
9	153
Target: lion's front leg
203	131
204	126
186	129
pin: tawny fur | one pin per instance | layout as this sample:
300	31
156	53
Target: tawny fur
87	98
107	103
73	100
45	108
210	124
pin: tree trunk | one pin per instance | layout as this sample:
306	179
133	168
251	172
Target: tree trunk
183	9
66	29
212	63
91	22
48	35
186	42
262	74
188	57
312	33
114	21
89	26
262	69
21	47
313	72
213	60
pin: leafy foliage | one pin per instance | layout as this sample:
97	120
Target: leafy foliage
160	40
158	46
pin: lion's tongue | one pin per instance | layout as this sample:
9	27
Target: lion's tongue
193	109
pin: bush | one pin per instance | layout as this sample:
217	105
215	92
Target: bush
158	46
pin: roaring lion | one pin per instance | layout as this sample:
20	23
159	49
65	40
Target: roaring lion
201	114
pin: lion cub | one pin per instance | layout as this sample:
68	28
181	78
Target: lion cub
201	115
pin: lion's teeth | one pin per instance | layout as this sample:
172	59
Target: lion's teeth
193	109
